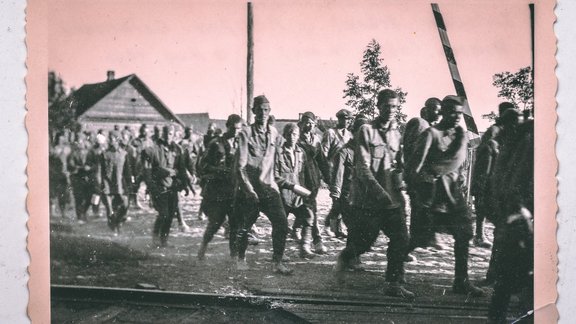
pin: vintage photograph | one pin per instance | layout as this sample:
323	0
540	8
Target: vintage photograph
292	161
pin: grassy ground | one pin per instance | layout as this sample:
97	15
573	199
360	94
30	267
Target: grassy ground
90	255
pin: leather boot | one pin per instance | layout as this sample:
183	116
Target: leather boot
202	252
465	287
242	265
340	269
395	289
281	268
305	242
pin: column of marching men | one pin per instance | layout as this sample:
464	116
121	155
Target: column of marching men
367	164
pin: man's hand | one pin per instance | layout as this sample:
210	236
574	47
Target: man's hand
384	198
459	131
252	195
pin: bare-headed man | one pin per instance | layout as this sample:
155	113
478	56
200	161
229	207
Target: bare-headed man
335	139
218	193
376	196
421	234
168	177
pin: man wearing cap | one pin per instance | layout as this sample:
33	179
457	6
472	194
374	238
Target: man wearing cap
420	235
486	155
332	143
437	183
257	189
315	170
376	197
168	177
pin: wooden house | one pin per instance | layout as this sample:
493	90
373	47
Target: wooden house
126	101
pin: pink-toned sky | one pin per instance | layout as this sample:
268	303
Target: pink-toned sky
192	54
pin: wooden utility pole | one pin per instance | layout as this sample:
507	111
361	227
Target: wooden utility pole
531	6
250	66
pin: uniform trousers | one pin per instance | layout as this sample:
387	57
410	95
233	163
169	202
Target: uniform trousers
482	209
304	215
421	224
316	237
334	215
364	231
166	204
216	212
460	225
82	191
513	270
116	209
248	212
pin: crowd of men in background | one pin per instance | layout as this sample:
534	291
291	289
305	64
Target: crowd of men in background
367	164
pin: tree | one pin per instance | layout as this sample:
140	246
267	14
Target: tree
518	88
492	116
61	113
362	94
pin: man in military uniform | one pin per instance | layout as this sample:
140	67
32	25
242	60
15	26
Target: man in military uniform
218	194
115	182
494	142
289	172
258	192
420	236
168	177
58	174
342	176
486	156
315	170
141	168
512	198
332	143
435	165
81	176
192	148
376	196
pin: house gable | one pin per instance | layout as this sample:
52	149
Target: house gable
123	101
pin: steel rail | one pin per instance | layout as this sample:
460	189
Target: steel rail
293	306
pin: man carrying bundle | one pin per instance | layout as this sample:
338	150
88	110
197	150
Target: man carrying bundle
290	176
437	183
420	233
315	170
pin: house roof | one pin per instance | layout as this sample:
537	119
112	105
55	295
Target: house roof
193	117
89	95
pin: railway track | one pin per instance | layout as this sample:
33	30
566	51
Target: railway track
71	303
